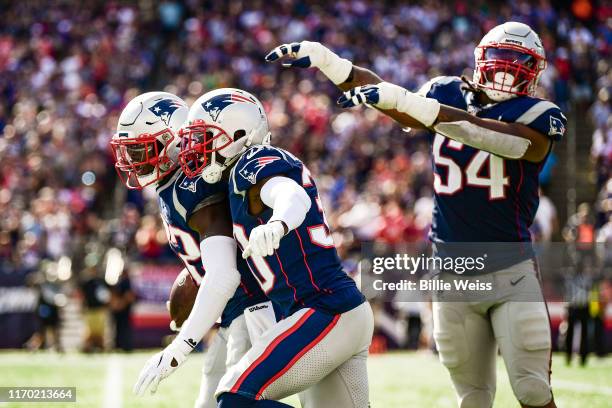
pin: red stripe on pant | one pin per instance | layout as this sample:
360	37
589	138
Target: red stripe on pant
299	355
271	348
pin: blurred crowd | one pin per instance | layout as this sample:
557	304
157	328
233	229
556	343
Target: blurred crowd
66	72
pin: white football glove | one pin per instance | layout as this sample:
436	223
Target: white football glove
264	239
389	96
313	54
383	96
160	366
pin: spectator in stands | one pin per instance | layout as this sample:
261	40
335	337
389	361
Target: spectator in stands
601	296
601	150
121	301
66	73
577	287
545	223
50	301
96	296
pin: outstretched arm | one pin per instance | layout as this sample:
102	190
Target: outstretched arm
340	71
509	140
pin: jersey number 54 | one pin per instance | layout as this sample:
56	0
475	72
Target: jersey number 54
496	181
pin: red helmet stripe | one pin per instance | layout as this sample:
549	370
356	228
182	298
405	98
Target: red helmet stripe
240	98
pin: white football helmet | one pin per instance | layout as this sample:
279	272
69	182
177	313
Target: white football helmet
146	134
222	124
509	61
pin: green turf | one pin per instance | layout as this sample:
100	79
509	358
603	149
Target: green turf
396	380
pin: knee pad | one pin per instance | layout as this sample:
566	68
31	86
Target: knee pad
532	390
476	399
531	327
450	337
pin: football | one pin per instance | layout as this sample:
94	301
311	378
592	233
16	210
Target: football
182	297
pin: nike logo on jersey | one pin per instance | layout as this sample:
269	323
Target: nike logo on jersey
252	168
513	283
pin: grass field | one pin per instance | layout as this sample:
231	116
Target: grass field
396	381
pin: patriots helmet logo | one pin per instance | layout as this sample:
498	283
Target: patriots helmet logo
556	127
252	168
164	109
215	105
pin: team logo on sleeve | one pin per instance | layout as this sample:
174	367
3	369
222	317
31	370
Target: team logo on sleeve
189	184
164	211
252	168
215	105
556	127
164	109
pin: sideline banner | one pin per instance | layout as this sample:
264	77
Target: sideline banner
18	304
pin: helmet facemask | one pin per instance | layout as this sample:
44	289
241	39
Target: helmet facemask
144	159
201	145
504	71
208	149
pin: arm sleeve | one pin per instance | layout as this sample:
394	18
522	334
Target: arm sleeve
218	286
289	201
501	144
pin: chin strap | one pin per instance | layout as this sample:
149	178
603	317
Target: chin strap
214	171
470	85
172	150
259	129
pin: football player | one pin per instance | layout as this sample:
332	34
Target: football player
280	225
197	221
490	137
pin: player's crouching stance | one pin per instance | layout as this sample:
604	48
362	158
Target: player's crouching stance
192	212
493	122
323	342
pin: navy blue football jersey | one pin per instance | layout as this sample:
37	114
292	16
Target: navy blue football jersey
481	197
305	271
179	197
